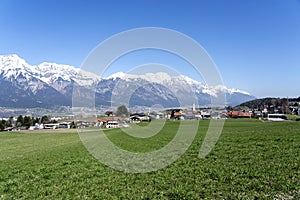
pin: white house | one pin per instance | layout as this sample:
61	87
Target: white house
112	124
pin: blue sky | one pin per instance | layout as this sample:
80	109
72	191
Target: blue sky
254	43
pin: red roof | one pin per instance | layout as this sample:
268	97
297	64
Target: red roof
111	118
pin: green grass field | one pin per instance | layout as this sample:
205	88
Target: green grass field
252	160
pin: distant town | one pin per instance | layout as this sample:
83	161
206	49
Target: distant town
270	109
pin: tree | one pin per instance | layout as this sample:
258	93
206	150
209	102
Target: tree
27	121
9	122
36	120
122	111
109	113
45	119
285	106
72	125
172	114
229	108
20	121
2	125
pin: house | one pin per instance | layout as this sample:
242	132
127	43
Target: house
112	124
141	116
134	119
109	122
159	115
257	114
239	114
51	126
188	116
198	116
82	124
205	114
174	113
64	125
32	128
36	127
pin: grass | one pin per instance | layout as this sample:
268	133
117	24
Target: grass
293	117
252	160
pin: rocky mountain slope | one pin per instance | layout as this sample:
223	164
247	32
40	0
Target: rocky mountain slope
50	84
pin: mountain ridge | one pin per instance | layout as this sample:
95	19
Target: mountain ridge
51	84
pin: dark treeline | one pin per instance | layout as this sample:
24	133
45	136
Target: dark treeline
23	122
258	103
283	105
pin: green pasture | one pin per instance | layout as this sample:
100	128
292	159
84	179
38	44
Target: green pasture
252	160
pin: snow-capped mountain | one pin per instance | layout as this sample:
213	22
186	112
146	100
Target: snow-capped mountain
173	87
44	85
14	68
166	79
51	84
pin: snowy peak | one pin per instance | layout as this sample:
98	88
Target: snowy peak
169	80
52	72
13	67
12	59
116	75
159	77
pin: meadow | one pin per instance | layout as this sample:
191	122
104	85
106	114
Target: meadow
252	160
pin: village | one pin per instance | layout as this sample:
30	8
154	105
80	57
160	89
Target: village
110	119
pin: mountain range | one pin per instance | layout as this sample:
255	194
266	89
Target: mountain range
49	85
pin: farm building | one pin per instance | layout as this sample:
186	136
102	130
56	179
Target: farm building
109	122
239	114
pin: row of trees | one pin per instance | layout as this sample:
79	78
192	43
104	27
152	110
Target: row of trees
272	104
122	112
23	121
